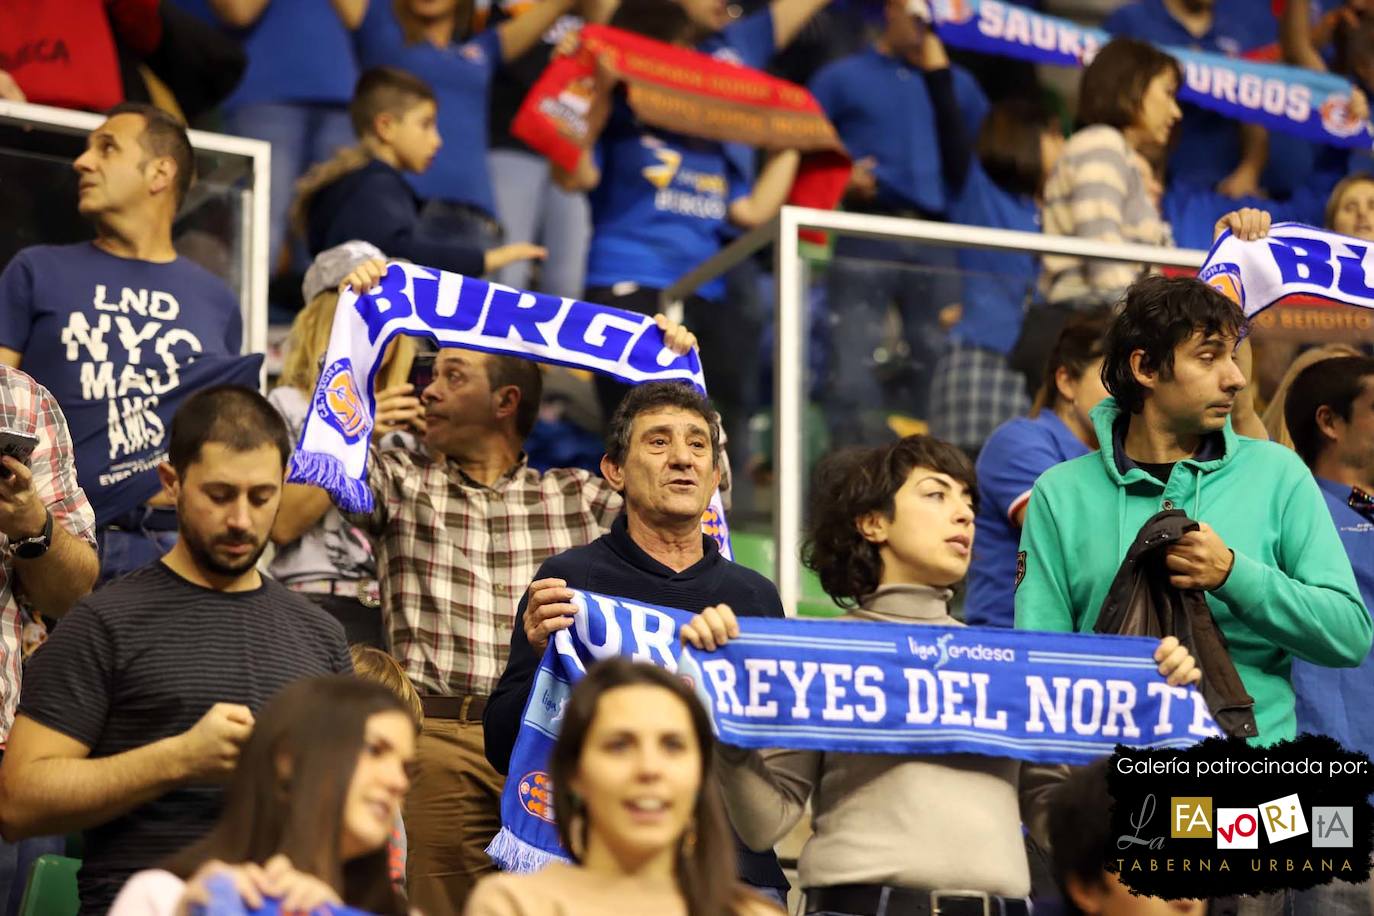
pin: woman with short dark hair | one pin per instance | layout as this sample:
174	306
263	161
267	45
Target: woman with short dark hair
891	532
309	811
637	806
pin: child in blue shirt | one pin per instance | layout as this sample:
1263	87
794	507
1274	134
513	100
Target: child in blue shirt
361	194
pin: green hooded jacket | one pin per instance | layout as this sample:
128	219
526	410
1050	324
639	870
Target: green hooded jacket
1290	591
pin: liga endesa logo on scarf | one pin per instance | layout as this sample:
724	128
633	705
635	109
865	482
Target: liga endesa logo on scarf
1224	817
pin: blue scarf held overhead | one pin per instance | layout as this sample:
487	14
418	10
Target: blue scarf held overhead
457	311
1292	260
1289	99
879	688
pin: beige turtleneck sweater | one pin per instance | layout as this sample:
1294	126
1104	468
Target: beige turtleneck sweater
935	822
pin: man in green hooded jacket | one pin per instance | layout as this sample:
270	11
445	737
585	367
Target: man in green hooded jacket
1267	553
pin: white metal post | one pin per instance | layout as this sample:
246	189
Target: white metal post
789	397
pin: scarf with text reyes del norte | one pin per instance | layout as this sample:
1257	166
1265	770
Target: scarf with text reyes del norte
457	311
858	687
686	92
1292	259
1312	105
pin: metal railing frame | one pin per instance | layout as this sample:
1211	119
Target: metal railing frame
789	391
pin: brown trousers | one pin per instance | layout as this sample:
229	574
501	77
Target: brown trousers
452	812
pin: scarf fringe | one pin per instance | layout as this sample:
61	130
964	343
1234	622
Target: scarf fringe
325	471
513	854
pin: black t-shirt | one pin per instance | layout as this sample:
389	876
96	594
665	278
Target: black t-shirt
1160	472
515	79
143	659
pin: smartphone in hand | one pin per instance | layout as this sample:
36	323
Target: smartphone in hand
421	372
18	446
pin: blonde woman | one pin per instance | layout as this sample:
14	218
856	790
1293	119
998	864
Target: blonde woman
318	551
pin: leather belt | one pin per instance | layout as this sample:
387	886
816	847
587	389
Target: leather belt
365	591
463	709
885	900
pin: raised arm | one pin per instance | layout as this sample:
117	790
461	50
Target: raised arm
239	14
518	35
790	17
351	12
1295	37
769	192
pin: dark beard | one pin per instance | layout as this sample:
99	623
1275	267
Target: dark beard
205	558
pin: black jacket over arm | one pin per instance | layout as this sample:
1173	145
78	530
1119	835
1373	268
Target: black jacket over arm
614	564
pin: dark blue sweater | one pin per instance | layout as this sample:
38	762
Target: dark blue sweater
614	564
375	204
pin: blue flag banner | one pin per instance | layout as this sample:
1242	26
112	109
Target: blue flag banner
225	901
118	442
1312	105
457	311
1292	259
859	687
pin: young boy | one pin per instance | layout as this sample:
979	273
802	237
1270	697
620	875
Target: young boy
362	193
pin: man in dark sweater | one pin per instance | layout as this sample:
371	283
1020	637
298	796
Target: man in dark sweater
662	455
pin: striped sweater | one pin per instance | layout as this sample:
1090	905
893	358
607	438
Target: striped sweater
1098	190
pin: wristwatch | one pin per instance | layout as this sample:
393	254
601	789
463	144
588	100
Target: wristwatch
34	547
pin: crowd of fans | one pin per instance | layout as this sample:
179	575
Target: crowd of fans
190	705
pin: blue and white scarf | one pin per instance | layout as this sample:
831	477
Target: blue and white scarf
880	688
1290	99
457	311
1292	259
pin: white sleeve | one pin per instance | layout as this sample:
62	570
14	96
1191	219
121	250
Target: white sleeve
149	893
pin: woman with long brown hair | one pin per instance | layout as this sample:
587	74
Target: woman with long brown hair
309	810
637	806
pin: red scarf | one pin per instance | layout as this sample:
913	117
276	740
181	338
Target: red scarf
687	92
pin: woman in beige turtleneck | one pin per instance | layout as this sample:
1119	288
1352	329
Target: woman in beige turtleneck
891	532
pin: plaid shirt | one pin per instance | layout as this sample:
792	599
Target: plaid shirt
27	407
455	557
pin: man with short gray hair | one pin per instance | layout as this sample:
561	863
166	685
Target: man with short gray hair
663	456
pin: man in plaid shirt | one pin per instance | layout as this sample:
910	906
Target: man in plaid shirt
47	557
462	526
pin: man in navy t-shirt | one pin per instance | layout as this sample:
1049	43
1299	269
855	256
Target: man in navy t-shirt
112	327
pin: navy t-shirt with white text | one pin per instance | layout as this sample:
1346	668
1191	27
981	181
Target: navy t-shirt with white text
110	337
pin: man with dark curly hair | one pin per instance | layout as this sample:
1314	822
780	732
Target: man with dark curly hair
1266	553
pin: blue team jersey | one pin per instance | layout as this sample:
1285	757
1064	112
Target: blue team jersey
1208	143
996	283
111	337
661	205
880	107
1340	701
460	76
1017	453
298	51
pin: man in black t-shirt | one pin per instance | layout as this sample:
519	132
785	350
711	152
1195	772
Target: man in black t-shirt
138	704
